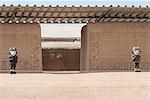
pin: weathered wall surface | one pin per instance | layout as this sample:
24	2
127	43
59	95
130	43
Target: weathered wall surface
27	39
61	59
84	54
107	46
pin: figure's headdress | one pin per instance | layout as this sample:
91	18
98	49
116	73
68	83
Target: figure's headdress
12	51
136	50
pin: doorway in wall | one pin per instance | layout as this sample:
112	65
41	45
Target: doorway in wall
61	45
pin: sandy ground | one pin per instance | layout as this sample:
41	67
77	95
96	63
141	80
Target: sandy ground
108	85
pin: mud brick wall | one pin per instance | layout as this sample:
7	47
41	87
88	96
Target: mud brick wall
61	59
27	39
107	46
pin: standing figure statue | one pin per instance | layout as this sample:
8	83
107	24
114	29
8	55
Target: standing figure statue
136	58
13	58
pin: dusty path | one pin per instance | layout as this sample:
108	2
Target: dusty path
109	85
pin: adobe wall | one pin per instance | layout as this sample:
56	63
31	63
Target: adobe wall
84	54
61	59
27	39
107	46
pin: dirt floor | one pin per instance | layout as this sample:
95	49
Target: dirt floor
106	85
